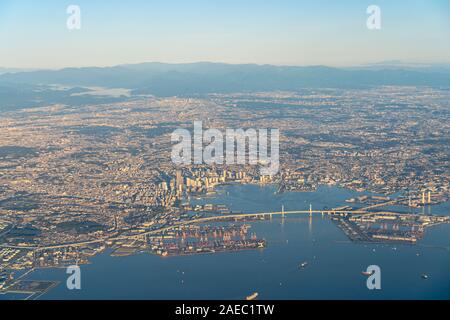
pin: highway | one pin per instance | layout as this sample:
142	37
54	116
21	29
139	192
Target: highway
198	221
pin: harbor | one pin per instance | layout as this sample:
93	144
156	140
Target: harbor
298	251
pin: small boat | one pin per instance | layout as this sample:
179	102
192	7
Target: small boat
303	265
367	274
424	276
252	296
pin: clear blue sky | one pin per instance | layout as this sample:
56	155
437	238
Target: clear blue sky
33	34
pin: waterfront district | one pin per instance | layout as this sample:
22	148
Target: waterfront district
75	181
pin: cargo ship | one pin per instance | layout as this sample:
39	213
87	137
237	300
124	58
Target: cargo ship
252	297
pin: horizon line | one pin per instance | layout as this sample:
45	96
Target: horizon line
394	62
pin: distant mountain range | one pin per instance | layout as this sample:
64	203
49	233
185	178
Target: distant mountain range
201	78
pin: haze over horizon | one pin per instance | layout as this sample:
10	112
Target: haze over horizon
290	33
380	64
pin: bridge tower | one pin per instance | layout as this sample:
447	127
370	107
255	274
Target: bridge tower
282	211
310	210
429	197
423	198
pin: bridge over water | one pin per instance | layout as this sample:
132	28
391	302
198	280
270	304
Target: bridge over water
235	217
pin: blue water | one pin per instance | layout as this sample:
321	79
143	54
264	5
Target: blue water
334	270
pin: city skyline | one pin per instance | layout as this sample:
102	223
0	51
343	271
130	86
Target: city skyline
224	150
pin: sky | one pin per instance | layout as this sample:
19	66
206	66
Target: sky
34	34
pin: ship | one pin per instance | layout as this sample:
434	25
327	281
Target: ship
303	264
252	296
